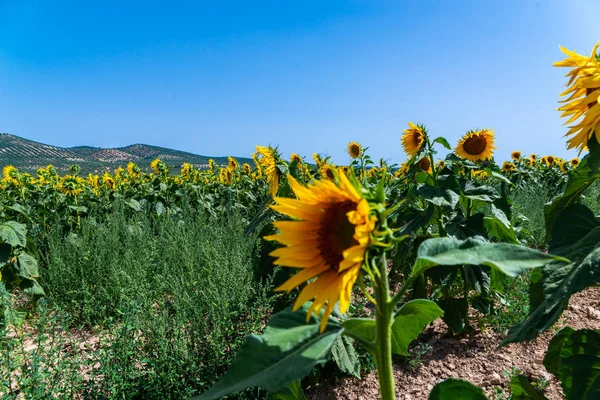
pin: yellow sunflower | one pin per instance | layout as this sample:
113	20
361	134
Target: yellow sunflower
232	163
326	172
507	166
328	240
476	145
574	162
582	101
441	164
482	174
563	166
413	139
211	165
425	165
515	155
533	157
155	165
246	168
550	160
354	149
318	159
295	158
269	163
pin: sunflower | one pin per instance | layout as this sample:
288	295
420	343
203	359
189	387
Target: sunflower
186	170
354	149
269	162
550	160
476	145
413	139
318	159
441	164
108	181
582	101
232	163
563	166
425	165
507	166
133	170
156	166
328	240
480	173
211	165
326	172
295	158
515	155
574	162
533	157
71	185
246	168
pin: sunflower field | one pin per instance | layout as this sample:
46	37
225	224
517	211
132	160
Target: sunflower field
256	281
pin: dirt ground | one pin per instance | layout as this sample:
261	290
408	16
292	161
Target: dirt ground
474	358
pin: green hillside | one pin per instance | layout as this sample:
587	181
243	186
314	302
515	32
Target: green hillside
29	155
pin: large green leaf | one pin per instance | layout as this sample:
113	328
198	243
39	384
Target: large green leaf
292	391
552	357
482	193
455	313
287	351
508	258
436	195
27	267
456	389
360	328
13	233
580	179
577	364
577	237
409	322
522	389
499	227
345	356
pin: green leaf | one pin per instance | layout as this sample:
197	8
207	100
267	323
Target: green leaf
508	258
159	207
345	356
287	351
409	322
552	357
576	236
363	328
482	193
456	389
578	363
455	313
293	391
437	196
443	142
134	204
27	267
13	233
580	179
499	230
522	389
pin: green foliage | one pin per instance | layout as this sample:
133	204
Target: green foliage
286	351
522	389
574	357
409	322
456	389
176	295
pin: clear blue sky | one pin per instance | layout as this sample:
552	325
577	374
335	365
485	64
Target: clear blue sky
218	78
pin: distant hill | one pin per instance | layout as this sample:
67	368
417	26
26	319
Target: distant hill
29	156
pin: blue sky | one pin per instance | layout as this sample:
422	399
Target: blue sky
218	78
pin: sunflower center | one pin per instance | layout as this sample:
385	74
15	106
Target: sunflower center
336	233
475	145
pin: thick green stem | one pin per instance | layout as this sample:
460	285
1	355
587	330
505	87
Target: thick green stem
383	318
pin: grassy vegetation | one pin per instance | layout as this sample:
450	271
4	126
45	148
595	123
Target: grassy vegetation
167	302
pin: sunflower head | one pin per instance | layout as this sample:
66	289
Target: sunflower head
480	173
157	166
563	166
232	163
327	239
507	166
533	157
246	169
574	162
354	149
425	165
295	158
550	160
441	164
477	145
581	98
515	155
413	139
326	172
211	165
268	161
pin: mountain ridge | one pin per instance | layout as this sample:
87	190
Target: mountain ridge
30	155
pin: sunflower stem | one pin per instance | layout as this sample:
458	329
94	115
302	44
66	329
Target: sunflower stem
383	339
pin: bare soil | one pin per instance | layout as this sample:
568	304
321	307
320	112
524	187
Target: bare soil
474	357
